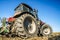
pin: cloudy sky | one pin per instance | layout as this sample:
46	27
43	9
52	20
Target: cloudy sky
48	11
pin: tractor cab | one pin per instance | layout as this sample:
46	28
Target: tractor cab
22	8
25	8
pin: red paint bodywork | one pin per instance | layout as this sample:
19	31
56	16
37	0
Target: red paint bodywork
11	19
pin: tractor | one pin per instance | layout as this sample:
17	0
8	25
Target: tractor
25	23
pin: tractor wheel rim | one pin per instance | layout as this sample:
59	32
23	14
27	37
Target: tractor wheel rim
30	25
46	31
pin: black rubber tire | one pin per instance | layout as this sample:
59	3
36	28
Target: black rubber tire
20	28
46	27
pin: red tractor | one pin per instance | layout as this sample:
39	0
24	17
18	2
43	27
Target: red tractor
25	23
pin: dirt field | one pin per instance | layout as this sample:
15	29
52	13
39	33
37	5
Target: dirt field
54	36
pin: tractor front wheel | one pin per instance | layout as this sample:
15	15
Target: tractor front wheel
46	30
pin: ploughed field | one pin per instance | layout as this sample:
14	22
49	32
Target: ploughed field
53	36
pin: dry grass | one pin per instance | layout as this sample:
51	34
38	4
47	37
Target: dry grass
54	36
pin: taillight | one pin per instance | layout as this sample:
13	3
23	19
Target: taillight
11	19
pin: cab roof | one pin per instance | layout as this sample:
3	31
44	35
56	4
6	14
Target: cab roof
23	5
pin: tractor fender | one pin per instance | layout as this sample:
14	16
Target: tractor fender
22	14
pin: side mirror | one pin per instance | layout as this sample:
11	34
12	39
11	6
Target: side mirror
35	13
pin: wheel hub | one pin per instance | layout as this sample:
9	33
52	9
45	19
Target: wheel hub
46	31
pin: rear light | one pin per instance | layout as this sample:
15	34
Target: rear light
11	19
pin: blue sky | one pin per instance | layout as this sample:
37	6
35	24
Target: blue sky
48	11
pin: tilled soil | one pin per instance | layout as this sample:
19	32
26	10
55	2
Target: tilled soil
17	38
54	36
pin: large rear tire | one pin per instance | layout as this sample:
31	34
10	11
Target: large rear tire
25	26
